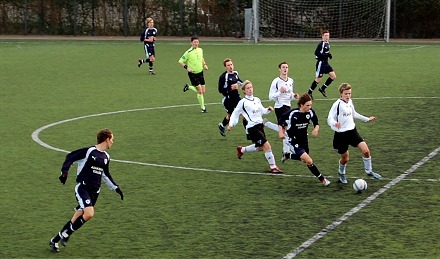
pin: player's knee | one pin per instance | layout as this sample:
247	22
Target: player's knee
344	159
366	153
88	215
267	146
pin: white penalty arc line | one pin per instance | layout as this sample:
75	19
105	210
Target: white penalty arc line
361	205
36	138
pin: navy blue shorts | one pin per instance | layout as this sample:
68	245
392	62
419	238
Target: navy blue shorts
86	195
229	104
297	150
323	67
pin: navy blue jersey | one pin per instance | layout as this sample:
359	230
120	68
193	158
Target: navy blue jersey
224	85
297	124
93	166
322	51
146	34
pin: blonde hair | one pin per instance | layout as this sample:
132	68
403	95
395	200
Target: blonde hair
245	83
343	87
148	20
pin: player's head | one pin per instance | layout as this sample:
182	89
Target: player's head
104	135
305	100
247	87
149	22
194	42
282	63
228	64
345	91
325	34
283	67
343	87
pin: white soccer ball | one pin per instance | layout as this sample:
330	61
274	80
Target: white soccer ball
360	185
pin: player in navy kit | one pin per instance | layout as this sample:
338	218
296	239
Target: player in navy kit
93	167
148	37
322	54
296	123
228	84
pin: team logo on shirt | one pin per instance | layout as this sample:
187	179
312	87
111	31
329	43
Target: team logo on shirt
105	161
308	116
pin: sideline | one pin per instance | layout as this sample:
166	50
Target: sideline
360	206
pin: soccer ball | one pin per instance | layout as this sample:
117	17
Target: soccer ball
360	185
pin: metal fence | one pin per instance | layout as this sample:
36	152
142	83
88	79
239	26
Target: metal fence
217	18
122	17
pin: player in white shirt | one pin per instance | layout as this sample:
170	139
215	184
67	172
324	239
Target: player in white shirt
281	91
341	120
252	110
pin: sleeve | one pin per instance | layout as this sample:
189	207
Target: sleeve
314	118
107	177
320	55
359	116
222	87
183	57
72	157
108	180
239	79
263	109
142	36
273	92
236	113
333	116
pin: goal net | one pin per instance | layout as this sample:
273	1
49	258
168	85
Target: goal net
352	19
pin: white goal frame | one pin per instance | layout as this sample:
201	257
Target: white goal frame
382	30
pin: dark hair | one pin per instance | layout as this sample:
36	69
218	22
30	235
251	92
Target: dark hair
103	134
305	97
194	38
325	31
282	63
226	60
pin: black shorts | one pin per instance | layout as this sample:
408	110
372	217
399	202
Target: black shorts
341	140
280	111
256	135
229	104
86	196
323	67
196	79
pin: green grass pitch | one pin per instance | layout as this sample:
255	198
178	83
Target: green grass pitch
186	193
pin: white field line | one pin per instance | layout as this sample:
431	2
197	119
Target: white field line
361	205
36	138
306	244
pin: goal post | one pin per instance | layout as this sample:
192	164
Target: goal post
345	19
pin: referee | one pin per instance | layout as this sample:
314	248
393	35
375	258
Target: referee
194	63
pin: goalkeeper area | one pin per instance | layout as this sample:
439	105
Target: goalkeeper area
345	19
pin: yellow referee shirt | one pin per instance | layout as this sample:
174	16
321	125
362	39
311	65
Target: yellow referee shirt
193	58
